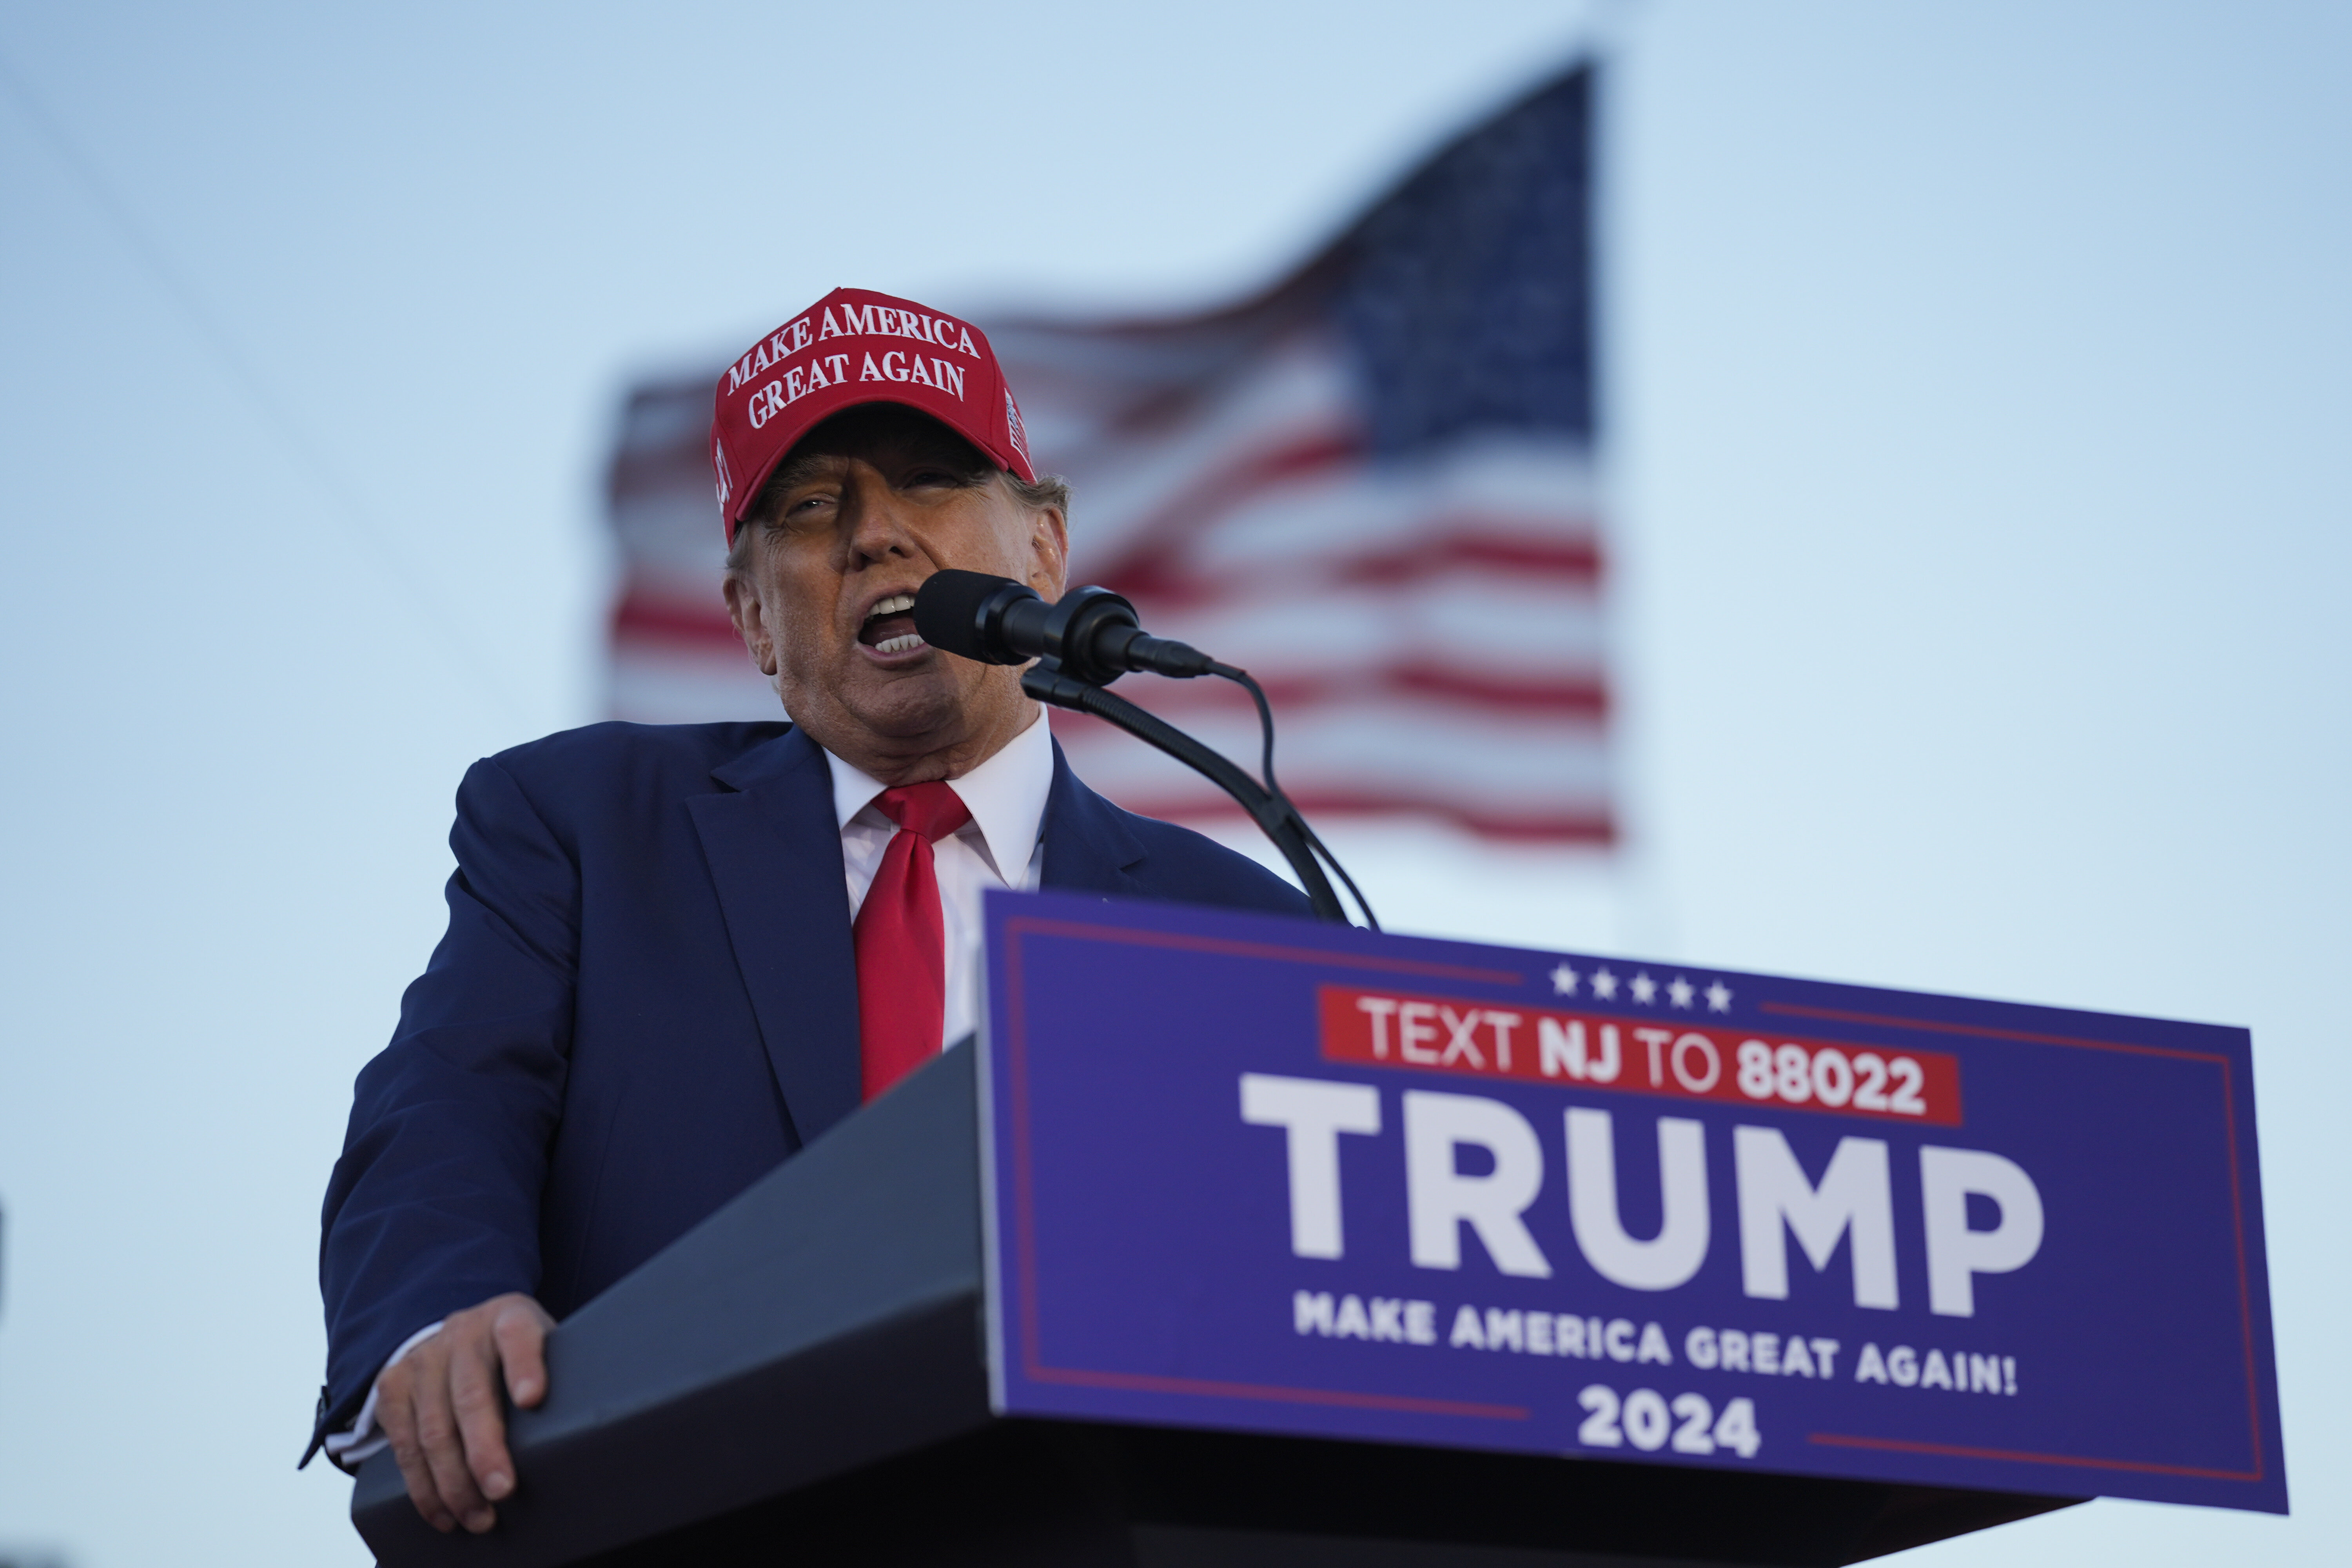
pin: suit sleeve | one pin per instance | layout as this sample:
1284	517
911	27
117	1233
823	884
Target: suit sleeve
433	1206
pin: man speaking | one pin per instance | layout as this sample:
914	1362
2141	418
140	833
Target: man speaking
677	954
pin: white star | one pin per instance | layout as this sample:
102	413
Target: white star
1563	980
1604	985
1719	998
1645	990
1680	991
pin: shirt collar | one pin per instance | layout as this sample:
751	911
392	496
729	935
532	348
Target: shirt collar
1005	795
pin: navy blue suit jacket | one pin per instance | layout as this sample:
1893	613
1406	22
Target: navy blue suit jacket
645	1000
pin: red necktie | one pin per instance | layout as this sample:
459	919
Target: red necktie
902	939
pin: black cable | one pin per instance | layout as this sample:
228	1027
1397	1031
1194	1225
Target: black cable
1266	772
1046	681
1264	723
1315	841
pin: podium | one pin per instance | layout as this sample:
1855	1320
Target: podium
1244	1241
802	1379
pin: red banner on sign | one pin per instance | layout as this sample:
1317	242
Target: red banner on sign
1645	1056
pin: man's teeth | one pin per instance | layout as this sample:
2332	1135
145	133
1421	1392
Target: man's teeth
895	605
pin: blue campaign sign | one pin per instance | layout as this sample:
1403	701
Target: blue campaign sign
1259	1175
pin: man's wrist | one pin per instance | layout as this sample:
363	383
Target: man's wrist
363	1438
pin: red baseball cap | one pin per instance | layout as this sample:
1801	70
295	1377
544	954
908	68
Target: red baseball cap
856	346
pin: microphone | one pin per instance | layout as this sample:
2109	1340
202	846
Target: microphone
1089	639
1091	632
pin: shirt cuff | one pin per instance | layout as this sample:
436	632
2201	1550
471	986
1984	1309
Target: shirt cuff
363	1439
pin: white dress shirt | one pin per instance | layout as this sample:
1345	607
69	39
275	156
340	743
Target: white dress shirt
1000	847
1006	797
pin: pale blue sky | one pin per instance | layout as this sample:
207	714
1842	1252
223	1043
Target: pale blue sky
1976	389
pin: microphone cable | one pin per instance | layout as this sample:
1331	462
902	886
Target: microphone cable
1265	774
1091	636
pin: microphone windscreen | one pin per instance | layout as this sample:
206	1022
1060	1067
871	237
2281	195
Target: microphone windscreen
946	612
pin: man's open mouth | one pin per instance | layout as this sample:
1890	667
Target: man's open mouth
890	626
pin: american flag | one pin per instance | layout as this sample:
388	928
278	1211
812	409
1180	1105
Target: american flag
1371	486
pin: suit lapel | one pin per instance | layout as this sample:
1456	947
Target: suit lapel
774	854
1087	845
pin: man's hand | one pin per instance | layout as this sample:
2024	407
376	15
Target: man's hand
439	1406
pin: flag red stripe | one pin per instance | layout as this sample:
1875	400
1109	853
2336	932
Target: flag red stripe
641	616
652	620
1568	699
1576	561
1583	699
1447	546
1581	696
1453	543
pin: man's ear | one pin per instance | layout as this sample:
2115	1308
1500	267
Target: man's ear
744	609
1049	552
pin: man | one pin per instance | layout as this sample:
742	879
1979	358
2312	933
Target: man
676	954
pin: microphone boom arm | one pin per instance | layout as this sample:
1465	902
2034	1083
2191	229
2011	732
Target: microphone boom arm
1046	681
